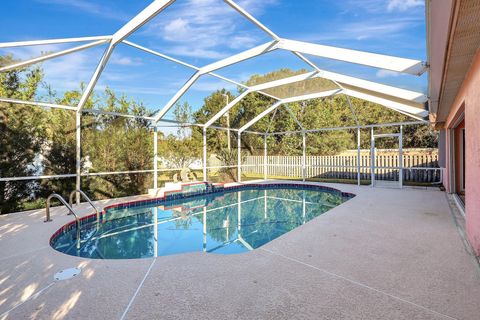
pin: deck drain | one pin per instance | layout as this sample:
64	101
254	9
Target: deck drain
66	274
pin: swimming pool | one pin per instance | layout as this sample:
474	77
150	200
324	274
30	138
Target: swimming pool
232	221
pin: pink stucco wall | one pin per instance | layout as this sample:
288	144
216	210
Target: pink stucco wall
469	99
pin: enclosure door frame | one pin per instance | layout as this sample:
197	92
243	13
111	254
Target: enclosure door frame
399	136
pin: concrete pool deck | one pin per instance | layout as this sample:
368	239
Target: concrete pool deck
385	254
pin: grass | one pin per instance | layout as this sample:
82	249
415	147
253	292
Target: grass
347	181
364	182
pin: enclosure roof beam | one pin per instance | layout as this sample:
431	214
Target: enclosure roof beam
38	104
266	30
419	118
252	19
306	60
131	26
406	123
289	110
381	61
374	86
50	41
161	55
397	105
352	110
239	57
260	116
269	32
140	19
310	96
287	80
177	96
347	80
343	80
248	54
271	121
25	63
188	65
96	75
185	124
116	114
402	65
403	101
225	109
258	88
71	108
287	100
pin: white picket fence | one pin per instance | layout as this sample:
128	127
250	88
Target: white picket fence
418	166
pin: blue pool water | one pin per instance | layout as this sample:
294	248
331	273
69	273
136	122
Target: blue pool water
225	223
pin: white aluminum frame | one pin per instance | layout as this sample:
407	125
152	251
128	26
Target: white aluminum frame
4	45
404	101
374	166
380	61
215	66
284	101
26	63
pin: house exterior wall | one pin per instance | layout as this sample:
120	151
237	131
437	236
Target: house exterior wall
467	104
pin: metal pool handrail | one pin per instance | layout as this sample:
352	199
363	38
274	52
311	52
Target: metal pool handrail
70	201
77	220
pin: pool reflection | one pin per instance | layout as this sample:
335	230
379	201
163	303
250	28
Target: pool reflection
226	223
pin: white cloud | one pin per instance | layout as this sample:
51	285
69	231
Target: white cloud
387	74
209	27
29	52
90	7
379	6
373	28
242	41
121	60
404	5
188	51
256	7
177	27
213	85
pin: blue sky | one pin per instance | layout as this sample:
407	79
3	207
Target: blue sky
203	31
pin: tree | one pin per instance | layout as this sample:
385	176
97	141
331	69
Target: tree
182	113
61	143
115	143
22	135
182	150
229	159
111	143
216	139
178	153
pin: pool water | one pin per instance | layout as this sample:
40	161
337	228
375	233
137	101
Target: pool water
226	223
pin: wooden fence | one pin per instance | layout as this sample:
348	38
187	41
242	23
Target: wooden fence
419	165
